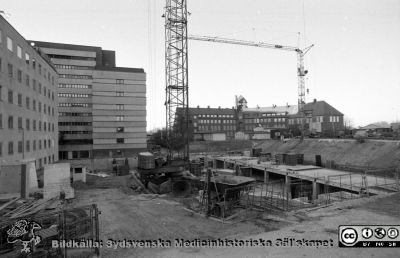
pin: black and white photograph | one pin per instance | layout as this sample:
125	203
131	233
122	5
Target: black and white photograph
187	128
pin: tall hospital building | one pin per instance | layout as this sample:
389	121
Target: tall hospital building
28	102
102	108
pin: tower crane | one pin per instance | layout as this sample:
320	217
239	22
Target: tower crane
301	72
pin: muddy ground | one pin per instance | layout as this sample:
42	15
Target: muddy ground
126	214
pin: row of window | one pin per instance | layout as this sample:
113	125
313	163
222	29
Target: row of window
36	105
36	145
75	132
73	95
26	56
318	119
264	114
215	116
36	125
71	57
216	128
75	113
265	120
74	67
75	105
46	92
74	86
74	123
216	121
75	76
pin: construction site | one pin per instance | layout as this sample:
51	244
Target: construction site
276	196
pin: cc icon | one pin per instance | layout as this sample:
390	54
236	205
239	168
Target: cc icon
349	236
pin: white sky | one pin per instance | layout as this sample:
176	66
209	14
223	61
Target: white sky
354	66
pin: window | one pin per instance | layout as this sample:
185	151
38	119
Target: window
19	99
40	107
44	144
120	107
34	125
119	94
10	44
19	76
34	145
27	80
44	126
1	92
44	108
40	69
120	81
34	105
1	149
40	125
10	122
120	140
20	146
27	58
1	120
28	124
28	103
10	148
10	70
40	87
19	52
1	66
33	63
44	91
120	118
28	146
34	84
49	142
40	144
10	96
74	86
120	129
19	122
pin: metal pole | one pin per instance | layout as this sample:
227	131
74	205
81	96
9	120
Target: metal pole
208	192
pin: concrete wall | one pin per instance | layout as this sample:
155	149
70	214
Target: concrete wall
10	179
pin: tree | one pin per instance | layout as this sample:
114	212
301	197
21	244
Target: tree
348	125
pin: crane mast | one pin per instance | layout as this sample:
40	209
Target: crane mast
176	73
301	72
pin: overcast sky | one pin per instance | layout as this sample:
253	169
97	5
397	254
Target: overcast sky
354	66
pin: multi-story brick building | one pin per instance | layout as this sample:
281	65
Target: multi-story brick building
28	102
241	122
320	118
102	107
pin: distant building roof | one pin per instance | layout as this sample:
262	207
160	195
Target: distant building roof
207	110
376	126
274	109
321	108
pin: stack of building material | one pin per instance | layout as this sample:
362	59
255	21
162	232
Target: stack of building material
291	159
195	168
300	159
146	160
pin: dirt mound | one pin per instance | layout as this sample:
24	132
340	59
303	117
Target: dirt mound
371	153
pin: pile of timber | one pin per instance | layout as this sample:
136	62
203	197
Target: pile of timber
18	207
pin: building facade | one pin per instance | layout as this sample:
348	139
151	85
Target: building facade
265	122
214	124
259	123
321	119
102	107
28	102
